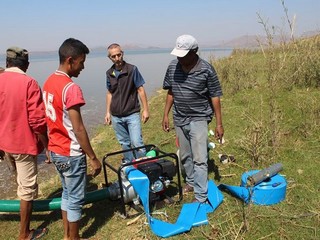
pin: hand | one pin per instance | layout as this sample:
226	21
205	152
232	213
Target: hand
108	119
219	131
165	124
145	116
96	167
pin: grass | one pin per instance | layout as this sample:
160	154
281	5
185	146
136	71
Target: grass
271	114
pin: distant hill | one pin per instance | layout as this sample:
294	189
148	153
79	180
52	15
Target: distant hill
251	41
125	47
245	41
310	33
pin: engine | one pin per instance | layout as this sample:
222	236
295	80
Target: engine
160	173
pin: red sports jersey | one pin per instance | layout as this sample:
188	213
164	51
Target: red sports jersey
59	94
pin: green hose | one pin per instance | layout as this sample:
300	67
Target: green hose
52	204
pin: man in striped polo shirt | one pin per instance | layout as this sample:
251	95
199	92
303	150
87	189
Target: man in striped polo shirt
194	92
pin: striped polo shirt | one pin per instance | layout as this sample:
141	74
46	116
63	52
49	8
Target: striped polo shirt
192	91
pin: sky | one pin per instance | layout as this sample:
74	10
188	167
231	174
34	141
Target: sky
42	25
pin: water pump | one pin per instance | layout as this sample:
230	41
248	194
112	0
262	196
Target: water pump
159	168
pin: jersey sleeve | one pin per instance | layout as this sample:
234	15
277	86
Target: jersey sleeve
74	96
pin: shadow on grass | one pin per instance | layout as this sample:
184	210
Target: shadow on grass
213	168
96	216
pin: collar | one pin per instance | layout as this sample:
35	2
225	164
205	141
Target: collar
123	69
58	72
15	69
195	68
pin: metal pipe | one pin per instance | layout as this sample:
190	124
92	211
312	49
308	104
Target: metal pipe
262	175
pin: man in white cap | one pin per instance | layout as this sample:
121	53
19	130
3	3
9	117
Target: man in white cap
194	92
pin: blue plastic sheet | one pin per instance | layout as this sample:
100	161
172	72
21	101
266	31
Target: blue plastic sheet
191	215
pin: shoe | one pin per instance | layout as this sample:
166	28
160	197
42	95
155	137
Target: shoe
38	233
224	159
187	189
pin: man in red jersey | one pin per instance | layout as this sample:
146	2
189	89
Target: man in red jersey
68	139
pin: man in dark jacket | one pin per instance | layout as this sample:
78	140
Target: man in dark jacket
125	86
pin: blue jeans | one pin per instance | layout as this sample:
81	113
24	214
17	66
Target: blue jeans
129	134
193	141
73	175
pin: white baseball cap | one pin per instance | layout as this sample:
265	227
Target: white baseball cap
184	44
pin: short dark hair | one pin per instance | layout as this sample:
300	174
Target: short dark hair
17	62
114	45
72	48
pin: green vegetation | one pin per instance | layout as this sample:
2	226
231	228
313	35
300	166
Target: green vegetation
271	114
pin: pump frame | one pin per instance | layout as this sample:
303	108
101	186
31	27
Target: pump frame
148	147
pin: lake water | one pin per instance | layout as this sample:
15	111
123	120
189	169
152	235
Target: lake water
151	63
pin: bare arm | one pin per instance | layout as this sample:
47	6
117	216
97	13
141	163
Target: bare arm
219	131
167	108
144	101
44	140
83	139
108	104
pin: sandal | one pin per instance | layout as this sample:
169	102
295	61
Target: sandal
38	233
187	189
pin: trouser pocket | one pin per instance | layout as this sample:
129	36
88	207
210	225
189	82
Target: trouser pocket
62	167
